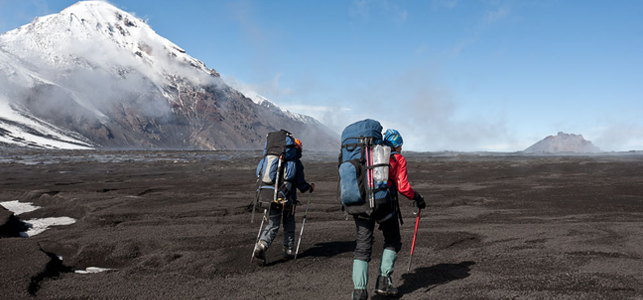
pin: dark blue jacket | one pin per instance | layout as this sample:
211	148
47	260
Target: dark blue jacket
300	179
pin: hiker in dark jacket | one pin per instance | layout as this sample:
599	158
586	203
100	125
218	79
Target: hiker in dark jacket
388	224
285	212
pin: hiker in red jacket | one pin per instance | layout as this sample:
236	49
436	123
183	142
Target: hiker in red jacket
398	182
397	172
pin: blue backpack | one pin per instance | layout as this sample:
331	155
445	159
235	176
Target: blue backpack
277	169
358	192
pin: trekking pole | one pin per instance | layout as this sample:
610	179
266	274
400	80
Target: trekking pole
417	222
369	174
303	223
265	212
254	205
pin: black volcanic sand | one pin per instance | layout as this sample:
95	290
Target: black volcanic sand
174	225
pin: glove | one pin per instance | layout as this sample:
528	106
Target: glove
312	187
419	201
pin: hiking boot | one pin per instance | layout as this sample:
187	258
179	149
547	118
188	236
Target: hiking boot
360	295
288	253
260	254
384	286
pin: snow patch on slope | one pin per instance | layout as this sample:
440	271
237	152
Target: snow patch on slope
93	270
18	207
36	226
23	130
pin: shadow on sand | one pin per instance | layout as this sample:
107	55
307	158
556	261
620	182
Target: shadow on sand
329	249
429	278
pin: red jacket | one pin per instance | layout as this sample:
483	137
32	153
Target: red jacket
398	173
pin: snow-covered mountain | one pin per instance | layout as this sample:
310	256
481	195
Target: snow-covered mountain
94	76
563	143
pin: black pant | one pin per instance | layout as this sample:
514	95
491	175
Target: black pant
365	227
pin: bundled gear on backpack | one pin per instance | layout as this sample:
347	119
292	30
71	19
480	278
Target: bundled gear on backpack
277	170
363	168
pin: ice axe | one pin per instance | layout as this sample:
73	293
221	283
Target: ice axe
417	222
303	223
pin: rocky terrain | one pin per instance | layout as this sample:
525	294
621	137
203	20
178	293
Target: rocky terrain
94	76
174	225
563	143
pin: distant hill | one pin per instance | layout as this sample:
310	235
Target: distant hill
563	143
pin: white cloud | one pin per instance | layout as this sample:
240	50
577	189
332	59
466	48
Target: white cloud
403	14
314	108
619	135
327	115
497	14
426	112
421	49
270	89
462	45
364	9
448	4
359	8
494	13
244	13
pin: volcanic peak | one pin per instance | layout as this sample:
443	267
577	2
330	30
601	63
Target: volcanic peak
96	76
563	143
90	29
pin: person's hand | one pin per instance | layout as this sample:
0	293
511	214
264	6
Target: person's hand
419	200
312	187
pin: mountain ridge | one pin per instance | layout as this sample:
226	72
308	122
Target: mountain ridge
99	77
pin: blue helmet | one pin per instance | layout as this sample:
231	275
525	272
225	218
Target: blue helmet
393	138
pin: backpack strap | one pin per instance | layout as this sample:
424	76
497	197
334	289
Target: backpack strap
393	193
378	165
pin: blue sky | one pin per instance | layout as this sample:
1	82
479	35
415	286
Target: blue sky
449	74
